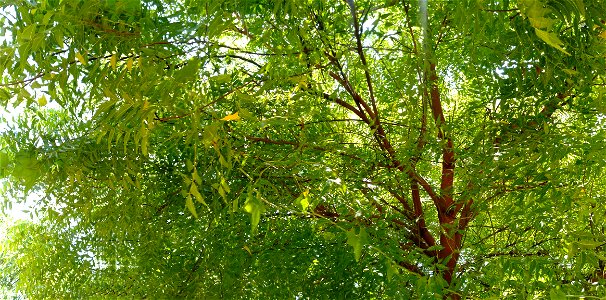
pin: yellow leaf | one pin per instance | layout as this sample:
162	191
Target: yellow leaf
42	101
232	117
80	58
112	61
602	35
129	63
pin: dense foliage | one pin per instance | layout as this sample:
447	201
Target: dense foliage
274	149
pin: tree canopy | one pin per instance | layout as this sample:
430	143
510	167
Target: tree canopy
274	149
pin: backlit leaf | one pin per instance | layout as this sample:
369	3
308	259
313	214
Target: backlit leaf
129	63
551	39
194	191
232	117
189	203
113	60
357	241
42	100
255	208
80	58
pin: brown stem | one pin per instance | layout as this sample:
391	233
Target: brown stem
418	213
347	106
357	98
408	211
25	81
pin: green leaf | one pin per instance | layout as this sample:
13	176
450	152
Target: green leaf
188	72
144	133
194	191
189	203
223	78
391	270
542	23
4	163
224	185
47	17
551	39
28	32
194	175
303	200
255	208
533	8
58	36
589	244
557	294
357	241
435	248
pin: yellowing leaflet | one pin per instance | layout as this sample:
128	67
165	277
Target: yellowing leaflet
112	61
129	64
232	117
80	58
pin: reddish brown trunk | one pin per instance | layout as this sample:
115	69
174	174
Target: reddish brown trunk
450	239
449	255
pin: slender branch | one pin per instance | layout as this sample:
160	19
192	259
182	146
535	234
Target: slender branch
409	26
513	253
297	144
419	216
201	109
499	10
256	53
241	58
411	267
24	81
407	209
357	98
441	32
346	105
344	82
360	50
467	214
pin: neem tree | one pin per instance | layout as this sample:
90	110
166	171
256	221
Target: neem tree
310	149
